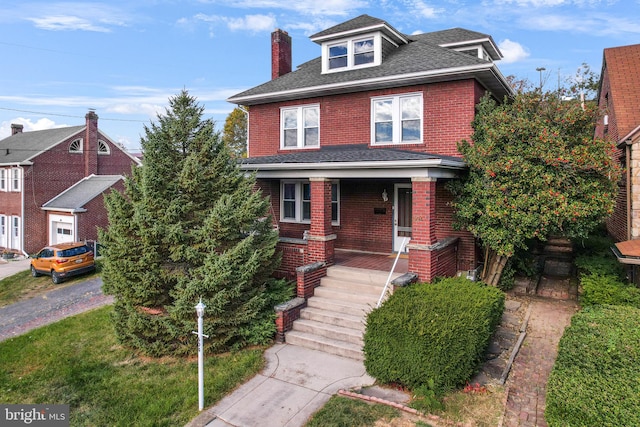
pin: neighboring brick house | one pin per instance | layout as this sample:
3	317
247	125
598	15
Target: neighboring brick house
355	147
619	99
52	181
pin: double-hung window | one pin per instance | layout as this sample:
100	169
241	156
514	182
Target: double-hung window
3	180
15	179
296	202
300	127
396	119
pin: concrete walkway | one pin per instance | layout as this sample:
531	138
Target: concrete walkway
13	266
295	383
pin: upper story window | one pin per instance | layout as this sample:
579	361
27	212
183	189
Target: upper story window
103	147
300	127
396	119
352	53
76	146
477	51
3	180
15	179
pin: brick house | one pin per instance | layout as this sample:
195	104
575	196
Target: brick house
355	147
52	184
619	99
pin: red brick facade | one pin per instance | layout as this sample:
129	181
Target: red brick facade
53	171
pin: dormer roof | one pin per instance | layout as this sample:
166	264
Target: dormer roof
459	38
362	24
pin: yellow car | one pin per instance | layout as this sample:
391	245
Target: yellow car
62	261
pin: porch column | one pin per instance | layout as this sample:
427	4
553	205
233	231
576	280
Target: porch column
321	240
422	259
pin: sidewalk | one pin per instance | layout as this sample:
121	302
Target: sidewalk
294	384
13	266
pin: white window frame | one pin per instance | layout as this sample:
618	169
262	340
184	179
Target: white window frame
300	126
4	185
351	53
16	179
3	231
103	148
15	238
299	201
396	119
76	146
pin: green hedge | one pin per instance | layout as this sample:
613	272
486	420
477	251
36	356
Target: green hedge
596	378
604	289
436	332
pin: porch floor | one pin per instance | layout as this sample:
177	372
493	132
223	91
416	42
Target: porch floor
370	261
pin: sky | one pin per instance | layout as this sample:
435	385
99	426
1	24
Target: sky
125	59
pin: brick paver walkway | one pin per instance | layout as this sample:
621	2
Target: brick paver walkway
527	382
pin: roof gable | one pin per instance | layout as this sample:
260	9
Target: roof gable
622	65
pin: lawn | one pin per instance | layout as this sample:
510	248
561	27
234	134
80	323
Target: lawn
22	286
78	361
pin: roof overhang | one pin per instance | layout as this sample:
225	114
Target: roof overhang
386	29
630	138
14	164
67	210
486	42
435	168
487	74
627	252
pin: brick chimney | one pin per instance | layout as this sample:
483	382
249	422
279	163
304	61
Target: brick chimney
16	128
91	144
280	53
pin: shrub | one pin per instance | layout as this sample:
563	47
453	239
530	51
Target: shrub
432	334
608	290
595	380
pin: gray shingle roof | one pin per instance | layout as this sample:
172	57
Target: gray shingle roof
23	146
82	192
346	153
418	59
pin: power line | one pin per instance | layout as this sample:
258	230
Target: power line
70	115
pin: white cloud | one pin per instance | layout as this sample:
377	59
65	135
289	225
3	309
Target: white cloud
66	23
512	51
94	17
28	125
424	10
309	7
254	23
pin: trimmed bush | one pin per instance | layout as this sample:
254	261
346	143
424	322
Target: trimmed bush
607	290
432	333
596	378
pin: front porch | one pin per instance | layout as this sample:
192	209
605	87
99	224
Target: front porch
371	261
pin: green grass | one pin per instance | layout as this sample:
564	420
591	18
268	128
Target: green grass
78	361
22	286
344	412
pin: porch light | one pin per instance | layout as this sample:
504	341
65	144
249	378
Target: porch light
385	196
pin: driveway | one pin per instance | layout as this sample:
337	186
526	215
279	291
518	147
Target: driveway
23	316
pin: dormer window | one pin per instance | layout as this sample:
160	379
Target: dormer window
76	146
477	51
347	54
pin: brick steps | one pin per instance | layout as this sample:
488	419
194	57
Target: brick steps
334	319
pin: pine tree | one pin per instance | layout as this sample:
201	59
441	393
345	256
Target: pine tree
190	225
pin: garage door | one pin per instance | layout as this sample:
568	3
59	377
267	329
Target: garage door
64	232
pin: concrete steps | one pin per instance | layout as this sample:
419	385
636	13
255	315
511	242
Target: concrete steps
334	319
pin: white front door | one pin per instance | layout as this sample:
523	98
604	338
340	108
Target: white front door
4	230
15	233
401	216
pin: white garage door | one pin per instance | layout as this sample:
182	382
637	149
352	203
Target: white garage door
63	232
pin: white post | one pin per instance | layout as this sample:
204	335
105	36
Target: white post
200	311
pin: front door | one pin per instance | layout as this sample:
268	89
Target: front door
401	216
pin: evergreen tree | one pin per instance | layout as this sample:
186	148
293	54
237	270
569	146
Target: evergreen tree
190	225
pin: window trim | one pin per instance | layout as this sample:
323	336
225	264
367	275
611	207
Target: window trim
299	201
396	119
300	127
76	146
4	182
15	180
351	54
103	148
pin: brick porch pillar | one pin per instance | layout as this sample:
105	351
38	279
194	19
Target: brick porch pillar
422	259
321	240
